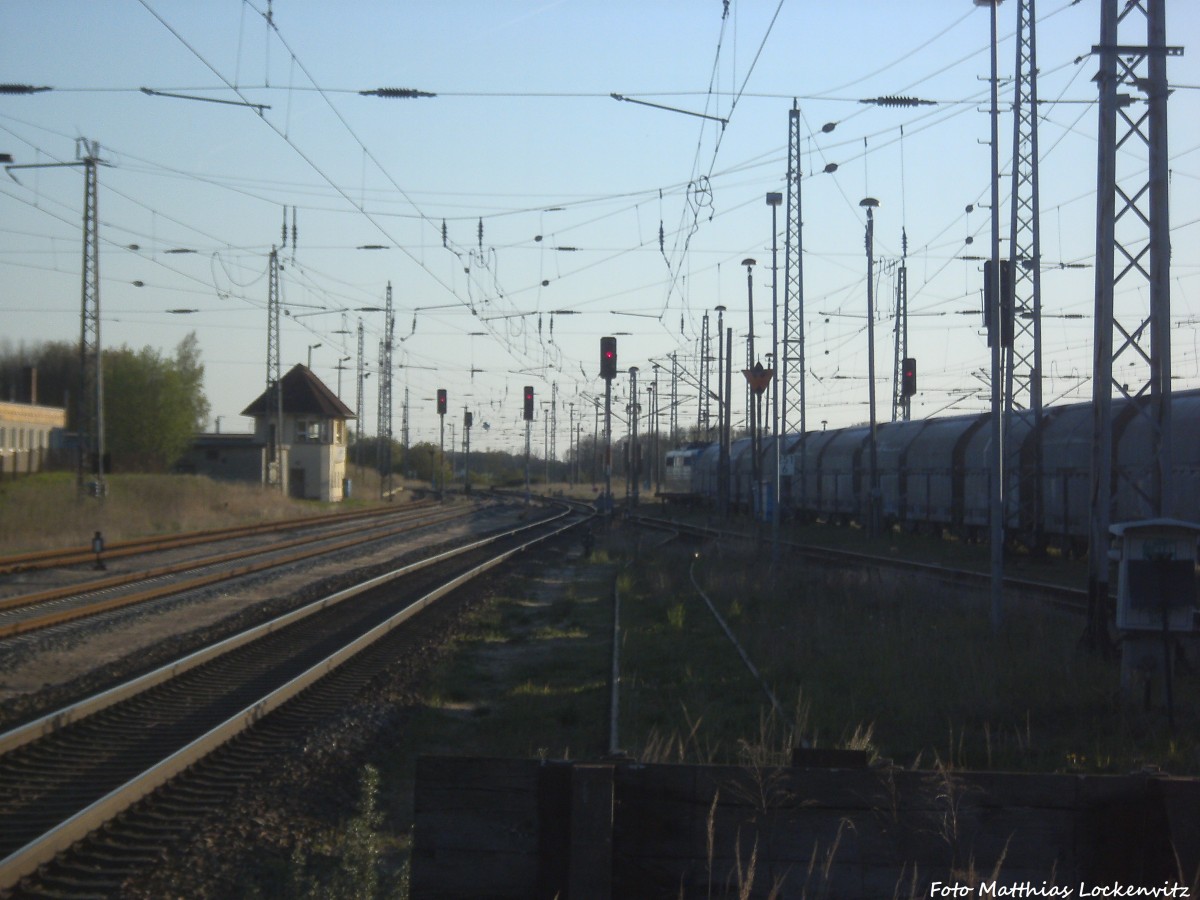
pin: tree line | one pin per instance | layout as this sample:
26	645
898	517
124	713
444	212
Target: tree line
154	403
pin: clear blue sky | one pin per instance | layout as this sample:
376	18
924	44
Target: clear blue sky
524	137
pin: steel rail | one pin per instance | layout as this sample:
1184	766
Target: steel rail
59	556
58	617
41	850
1069	599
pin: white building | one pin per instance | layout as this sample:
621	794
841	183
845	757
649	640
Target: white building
312	446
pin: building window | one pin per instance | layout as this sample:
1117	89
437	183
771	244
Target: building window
308	432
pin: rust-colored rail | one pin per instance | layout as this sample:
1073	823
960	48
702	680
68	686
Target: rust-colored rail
128	599
68	556
81	777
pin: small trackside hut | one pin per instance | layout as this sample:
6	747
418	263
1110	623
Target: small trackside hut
312	437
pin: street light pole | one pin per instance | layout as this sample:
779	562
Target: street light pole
870	203
774	200
341	368
755	476
655	455
996	493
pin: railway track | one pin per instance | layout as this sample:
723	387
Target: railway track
149	758
1072	600
37	560
28	612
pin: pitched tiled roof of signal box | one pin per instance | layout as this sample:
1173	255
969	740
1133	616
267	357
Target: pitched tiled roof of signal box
303	394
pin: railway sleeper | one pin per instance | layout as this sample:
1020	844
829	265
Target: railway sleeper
78	884
112	851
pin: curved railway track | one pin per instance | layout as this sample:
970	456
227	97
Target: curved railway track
207	723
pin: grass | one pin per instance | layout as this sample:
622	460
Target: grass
917	679
45	511
857	663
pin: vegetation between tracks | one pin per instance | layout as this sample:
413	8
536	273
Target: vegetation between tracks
864	662
918	679
921	680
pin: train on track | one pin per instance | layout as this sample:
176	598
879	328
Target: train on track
934	474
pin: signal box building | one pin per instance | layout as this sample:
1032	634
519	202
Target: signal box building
311	456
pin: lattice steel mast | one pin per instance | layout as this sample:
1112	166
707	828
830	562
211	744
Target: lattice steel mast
360	376
274	389
1132	250
553	420
674	417
1023	357
901	402
91	400
792	377
702	413
385	399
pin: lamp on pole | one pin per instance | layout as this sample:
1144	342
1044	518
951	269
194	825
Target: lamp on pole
340	368
311	348
754	463
656	456
774	200
870	204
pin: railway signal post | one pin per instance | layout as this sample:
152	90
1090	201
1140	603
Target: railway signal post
441	411
608	371
468	421
528	416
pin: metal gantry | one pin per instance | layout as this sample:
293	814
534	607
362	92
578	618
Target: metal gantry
91	401
385	398
901	401
673	418
702	419
1132	348
792	371
553	452
275	470
89	398
1023	356
360	377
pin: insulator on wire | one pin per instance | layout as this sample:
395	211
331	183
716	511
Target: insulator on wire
293	229
661	239
284	240
445	239
481	233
